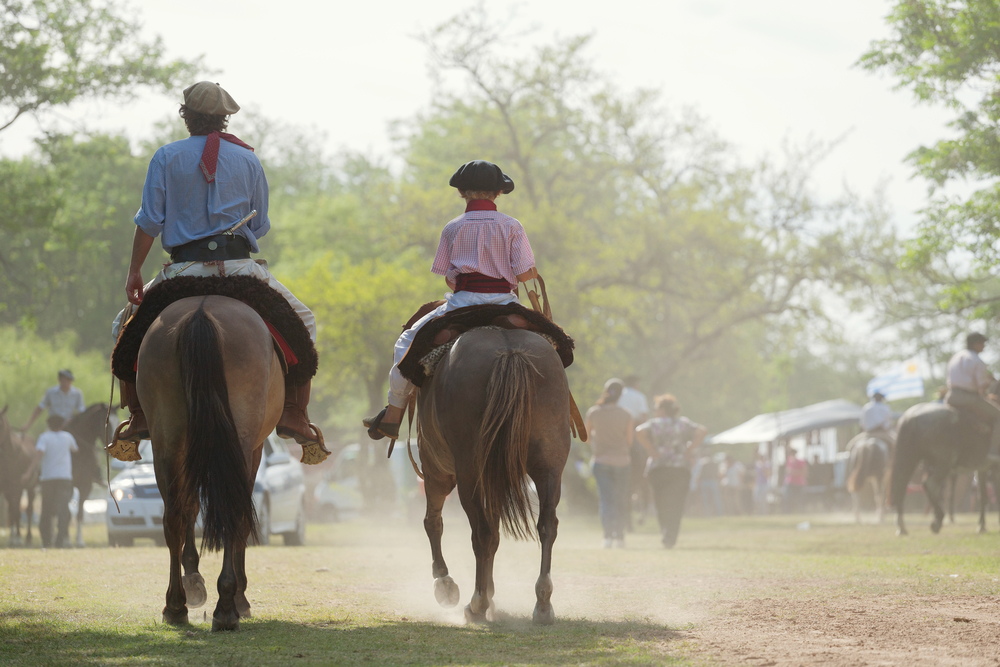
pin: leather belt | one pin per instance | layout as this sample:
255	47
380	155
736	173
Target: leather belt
212	249
477	282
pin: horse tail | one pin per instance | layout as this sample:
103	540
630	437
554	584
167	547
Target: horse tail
502	456
216	468
856	462
904	462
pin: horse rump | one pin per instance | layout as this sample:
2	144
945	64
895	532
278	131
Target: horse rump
502	457
217	473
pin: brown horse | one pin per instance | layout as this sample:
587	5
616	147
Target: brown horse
212	387
495	411
14	461
870	461
90	426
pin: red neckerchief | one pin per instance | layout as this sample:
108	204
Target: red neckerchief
480	205
210	156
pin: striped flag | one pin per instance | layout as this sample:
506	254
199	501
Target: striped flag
903	381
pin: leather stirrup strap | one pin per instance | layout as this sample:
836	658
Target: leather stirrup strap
411	408
539	305
576	420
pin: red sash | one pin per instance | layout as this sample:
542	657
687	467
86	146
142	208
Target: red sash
477	282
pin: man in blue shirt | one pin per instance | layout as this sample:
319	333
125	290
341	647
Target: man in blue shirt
195	190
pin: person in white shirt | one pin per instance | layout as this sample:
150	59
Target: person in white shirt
876	419
968	382
53	451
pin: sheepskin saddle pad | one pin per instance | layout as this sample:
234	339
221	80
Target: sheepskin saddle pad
268	303
437	336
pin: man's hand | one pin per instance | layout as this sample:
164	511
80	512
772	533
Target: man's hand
133	287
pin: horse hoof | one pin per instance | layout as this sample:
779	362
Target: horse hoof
175	617
902	532
473	617
543	615
227	623
446	591
981	530
194	590
936	527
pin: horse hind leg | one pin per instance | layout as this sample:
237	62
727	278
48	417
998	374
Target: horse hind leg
225	616
436	490
983	494
193	582
548	487
242	604
485	541
175	612
879	500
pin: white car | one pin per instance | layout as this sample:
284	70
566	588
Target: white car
278	495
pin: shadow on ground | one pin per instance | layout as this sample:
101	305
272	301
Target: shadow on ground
30	638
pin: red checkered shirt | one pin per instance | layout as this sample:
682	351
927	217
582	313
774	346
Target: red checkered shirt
486	242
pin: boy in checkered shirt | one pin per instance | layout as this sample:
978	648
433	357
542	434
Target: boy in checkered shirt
483	254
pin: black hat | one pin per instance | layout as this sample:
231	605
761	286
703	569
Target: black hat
481	176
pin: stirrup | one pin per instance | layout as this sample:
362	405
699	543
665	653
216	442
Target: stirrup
377	430
314	452
123	450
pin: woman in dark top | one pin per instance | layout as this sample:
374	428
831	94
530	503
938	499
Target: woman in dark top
670	440
611	430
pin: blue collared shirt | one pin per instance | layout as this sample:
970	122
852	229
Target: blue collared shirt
178	202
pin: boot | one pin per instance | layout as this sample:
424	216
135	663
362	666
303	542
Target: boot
125	444
294	424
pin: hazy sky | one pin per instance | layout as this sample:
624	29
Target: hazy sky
759	70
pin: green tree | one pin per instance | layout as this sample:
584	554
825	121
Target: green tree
54	52
945	52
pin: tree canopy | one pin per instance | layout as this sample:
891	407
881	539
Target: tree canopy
945	52
53	52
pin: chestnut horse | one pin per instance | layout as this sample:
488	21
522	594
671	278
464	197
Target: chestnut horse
212	387
14	462
496	411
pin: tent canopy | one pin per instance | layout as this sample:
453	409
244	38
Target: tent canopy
782	425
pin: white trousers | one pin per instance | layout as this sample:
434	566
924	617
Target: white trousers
232	267
399	387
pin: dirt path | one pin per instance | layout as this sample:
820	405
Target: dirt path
911	631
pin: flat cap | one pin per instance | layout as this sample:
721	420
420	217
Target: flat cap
66	373
210	98
481	176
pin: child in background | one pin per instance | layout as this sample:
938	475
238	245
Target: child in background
53	451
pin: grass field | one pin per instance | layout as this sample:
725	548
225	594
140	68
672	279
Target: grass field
360	593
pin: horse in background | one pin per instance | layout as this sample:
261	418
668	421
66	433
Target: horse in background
941	438
87	428
869	463
14	461
495	412
212	386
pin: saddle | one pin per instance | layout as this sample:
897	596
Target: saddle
444	330
298	352
437	336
